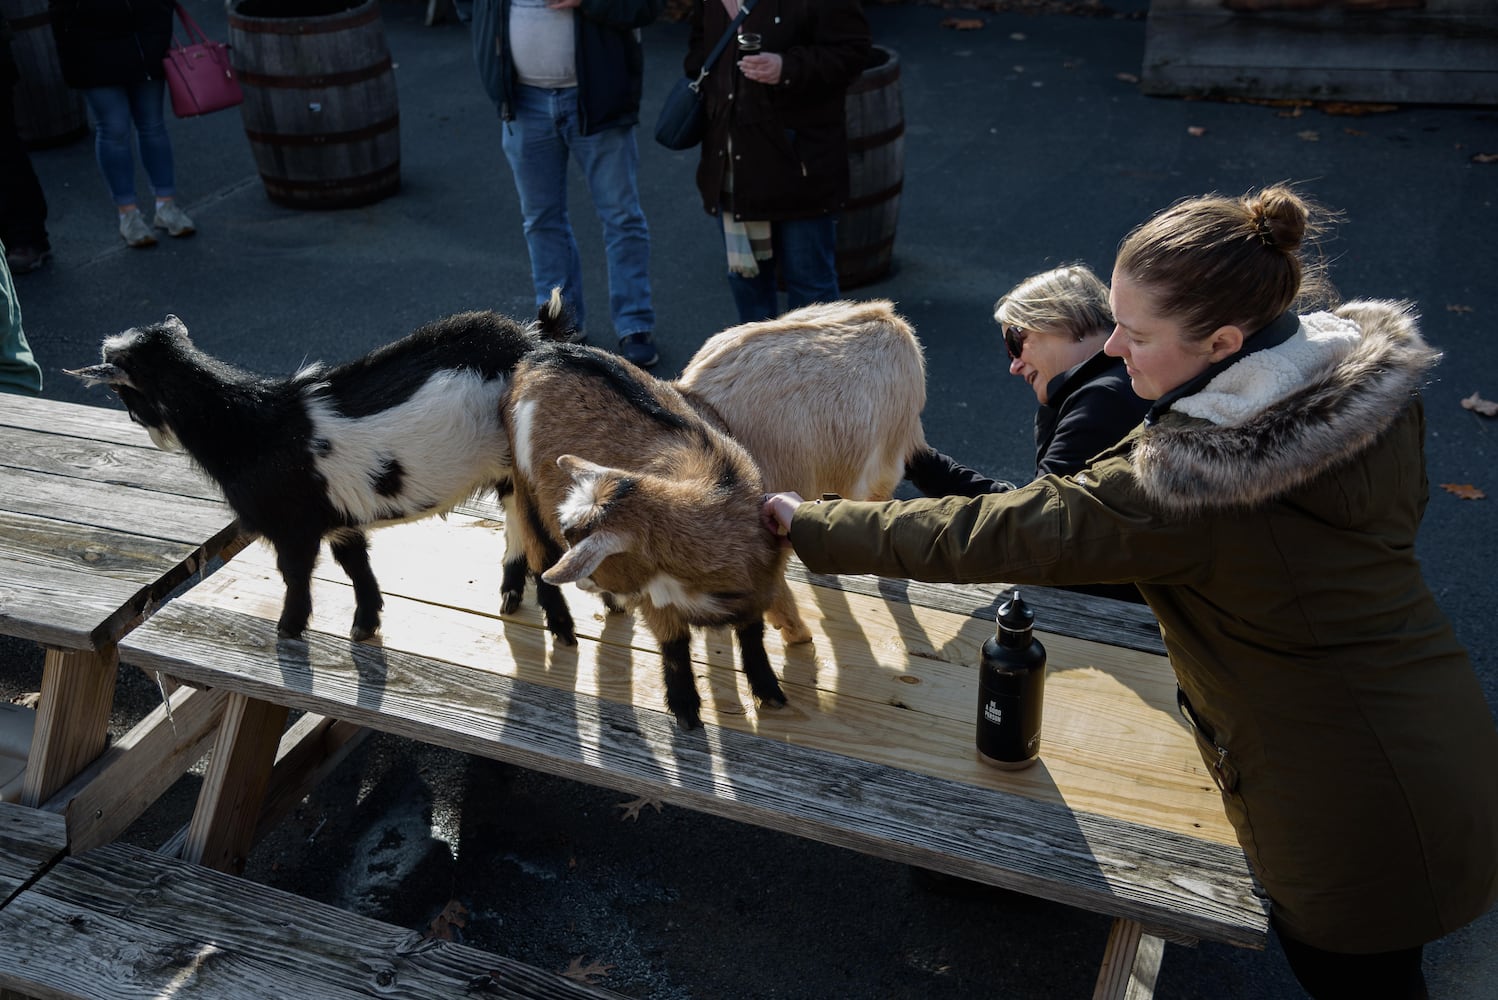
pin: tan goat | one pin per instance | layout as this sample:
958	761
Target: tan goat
620	485
826	398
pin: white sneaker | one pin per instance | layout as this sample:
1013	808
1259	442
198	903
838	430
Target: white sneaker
173	220
134	231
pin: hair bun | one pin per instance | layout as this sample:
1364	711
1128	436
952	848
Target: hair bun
1279	216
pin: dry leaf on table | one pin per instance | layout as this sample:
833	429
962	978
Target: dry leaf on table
454	914
1464	490
1477	404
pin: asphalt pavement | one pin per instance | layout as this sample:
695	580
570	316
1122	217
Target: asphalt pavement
1028	144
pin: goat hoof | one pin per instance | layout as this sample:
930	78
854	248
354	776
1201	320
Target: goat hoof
287	632
509	601
565	638
793	636
688	721
361	634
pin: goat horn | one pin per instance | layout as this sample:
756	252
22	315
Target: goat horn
583	558
95	374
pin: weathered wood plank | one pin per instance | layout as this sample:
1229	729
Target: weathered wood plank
29	841
99	423
79	586
1446	53
233	792
1131	963
1181	883
72	718
883	681
68	502
103	461
138	768
119	923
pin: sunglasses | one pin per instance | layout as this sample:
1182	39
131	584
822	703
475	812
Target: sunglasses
1014	341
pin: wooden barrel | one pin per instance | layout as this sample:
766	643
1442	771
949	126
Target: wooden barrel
320	107
48	112
876	172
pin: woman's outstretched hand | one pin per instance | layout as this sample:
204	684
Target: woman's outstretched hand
777	512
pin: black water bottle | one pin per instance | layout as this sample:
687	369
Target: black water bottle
1011	689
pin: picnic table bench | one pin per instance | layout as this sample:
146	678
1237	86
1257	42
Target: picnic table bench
874	751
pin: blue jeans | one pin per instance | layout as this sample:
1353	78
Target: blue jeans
538	142
805	254
113	110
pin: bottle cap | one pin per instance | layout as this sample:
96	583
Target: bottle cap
1015	615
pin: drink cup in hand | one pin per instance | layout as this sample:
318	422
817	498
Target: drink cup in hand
749	43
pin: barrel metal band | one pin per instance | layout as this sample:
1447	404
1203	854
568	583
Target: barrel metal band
278	82
875	79
324	138
864	143
875	198
303	25
361	182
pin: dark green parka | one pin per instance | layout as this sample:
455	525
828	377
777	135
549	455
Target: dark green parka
1269	521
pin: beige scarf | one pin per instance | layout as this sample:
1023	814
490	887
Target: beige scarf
748	243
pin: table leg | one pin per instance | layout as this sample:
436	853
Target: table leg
223	824
1131	962
72	720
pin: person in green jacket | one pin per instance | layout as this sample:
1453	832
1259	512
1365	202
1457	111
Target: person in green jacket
1267	509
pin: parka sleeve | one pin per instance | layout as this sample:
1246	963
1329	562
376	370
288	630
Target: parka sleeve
837	55
1052	532
623	13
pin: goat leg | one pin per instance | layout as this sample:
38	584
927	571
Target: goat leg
681	692
295	558
549	596
512	575
351	550
762	680
784	614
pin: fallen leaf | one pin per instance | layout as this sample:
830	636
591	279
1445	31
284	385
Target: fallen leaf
1458	309
1127	77
1464	490
962	23
1018	36
580	973
631	809
454	914
1354	131
1292	113
1355	109
1485	157
1196	130
1477	404
1309	135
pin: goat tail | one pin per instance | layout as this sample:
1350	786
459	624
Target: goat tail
555	320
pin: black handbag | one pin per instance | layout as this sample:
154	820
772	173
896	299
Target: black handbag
681	122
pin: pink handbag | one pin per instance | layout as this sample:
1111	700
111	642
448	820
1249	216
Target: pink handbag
198	74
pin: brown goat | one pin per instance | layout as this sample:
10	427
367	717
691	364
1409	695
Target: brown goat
652	503
849	380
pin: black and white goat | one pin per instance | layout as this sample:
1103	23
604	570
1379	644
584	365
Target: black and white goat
622	486
409	430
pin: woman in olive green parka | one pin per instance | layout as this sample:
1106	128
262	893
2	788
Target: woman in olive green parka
1267	510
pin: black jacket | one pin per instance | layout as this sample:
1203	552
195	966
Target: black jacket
1092	406
106	43
790	142
610	59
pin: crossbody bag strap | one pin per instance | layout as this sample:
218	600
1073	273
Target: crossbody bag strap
717	51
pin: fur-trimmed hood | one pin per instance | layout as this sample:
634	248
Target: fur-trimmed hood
1280	417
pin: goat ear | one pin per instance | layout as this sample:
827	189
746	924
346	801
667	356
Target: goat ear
106	373
583	558
581	470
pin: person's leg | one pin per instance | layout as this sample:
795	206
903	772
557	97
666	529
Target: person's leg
19	372
109	107
610	162
146	110
537	151
23	206
807	251
1328	975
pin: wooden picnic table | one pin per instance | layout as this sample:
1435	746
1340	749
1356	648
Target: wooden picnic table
97	528
874	751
